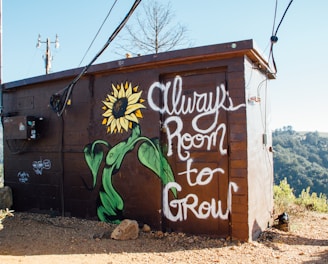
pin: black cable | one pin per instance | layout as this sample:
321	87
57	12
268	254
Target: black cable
98	32
274	18
58	101
274	37
272	34
283	16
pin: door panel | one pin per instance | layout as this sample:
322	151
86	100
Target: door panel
195	135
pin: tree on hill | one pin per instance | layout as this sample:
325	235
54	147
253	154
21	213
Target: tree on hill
153	31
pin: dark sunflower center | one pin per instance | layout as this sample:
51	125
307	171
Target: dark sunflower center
119	107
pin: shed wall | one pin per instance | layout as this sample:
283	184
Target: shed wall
259	151
177	157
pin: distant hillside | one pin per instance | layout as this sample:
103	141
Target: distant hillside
302	158
321	134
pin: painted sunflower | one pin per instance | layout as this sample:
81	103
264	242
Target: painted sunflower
122	108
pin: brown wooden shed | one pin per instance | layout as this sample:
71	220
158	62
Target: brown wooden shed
178	140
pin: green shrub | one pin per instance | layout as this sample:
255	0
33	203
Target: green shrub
285	200
284	197
312	201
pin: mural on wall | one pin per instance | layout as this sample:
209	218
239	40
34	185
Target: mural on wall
207	105
122	111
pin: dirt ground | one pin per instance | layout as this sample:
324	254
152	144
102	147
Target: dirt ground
34	238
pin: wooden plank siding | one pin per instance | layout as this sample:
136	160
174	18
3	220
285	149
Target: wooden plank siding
194	161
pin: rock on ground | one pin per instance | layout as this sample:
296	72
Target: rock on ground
126	230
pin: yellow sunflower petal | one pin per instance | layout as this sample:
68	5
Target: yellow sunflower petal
104	121
132	117
113	125
115	91
108	113
138	113
110	120
125	123
108	104
118	125
135	88
126	85
108	129
121	92
134	98
112	99
128	91
132	108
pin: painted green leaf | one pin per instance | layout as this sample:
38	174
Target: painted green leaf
93	154
151	156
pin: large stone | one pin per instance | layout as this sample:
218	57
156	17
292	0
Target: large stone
6	198
126	230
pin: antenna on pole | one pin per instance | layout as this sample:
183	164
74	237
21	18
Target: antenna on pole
47	57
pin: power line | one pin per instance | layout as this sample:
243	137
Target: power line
282	18
274	37
59	101
109	12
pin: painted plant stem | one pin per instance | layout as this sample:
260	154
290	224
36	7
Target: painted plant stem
149	154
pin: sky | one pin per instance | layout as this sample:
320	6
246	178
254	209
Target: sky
299	94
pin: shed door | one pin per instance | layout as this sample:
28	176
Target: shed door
194	135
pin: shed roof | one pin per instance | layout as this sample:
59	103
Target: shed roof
218	51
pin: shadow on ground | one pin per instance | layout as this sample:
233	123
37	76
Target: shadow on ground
33	234
28	235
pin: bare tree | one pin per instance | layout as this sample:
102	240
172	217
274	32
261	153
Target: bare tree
153	31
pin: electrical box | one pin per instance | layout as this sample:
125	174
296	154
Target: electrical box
21	127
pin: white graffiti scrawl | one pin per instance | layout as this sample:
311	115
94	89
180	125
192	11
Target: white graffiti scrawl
202	105
208	105
23	176
40	165
202	210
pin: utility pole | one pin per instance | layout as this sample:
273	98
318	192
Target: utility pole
2	177
47	57
1	100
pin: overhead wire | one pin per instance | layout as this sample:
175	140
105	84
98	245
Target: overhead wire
58	101
273	40
274	37
109	12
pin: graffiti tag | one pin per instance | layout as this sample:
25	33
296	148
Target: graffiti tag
202	210
201	105
40	165
23	176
